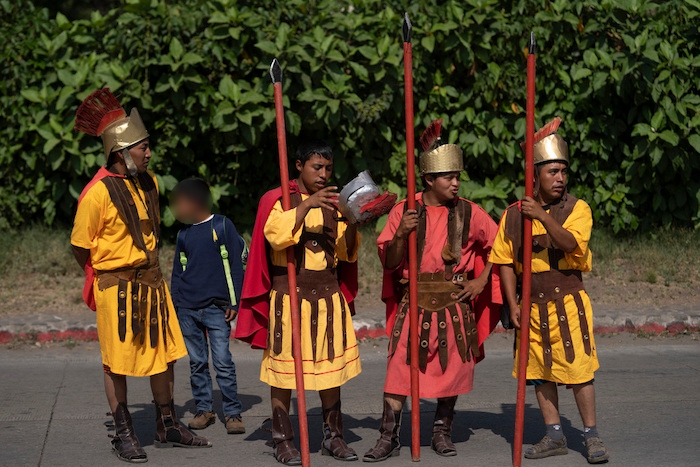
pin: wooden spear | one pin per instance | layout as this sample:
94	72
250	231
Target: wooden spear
525	304
276	75
414	335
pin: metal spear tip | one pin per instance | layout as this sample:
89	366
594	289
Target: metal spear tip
407	28
275	72
531	45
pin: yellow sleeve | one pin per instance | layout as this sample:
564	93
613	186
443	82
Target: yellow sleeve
341	248
580	224
279	228
89	219
502	249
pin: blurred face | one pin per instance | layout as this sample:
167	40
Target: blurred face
185	209
141	154
445	187
552	181
315	172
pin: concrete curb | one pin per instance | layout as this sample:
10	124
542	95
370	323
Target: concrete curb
41	332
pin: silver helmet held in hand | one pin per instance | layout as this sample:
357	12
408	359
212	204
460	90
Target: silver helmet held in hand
361	200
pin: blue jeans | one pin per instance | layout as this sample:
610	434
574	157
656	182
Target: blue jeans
198	326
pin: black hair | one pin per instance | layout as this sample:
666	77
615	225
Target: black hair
319	147
194	189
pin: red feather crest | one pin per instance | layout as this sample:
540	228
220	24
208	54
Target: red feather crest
545	131
97	111
431	135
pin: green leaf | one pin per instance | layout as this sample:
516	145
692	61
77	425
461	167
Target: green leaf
50	144
581	73
658	119
191	58
176	49
670	137
694	141
268	47
62	22
229	89
360	71
428	43
31	95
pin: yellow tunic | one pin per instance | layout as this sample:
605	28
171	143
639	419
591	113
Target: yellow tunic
99	228
581	370
277	370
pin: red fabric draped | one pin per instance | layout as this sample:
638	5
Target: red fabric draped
254	308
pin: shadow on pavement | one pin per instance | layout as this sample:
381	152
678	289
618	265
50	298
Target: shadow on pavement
465	422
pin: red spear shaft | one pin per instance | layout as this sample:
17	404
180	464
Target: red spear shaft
276	74
412	242
524	344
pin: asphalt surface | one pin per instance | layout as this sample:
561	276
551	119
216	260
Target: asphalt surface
53	409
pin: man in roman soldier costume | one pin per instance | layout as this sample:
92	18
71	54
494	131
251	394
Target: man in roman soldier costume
562	348
325	250
115	240
458	296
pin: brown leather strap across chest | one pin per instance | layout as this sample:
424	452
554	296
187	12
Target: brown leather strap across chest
147	286
458	227
514	230
316	242
123	200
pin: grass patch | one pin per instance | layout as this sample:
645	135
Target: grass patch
666	256
37	250
38	272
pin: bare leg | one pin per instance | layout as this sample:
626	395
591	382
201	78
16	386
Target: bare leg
395	401
554	441
548	399
115	388
585	400
329	397
162	386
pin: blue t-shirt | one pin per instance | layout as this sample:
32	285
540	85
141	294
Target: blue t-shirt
203	282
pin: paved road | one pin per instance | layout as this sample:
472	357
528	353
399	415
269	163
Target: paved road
53	410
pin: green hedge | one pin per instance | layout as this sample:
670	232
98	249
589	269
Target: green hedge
623	74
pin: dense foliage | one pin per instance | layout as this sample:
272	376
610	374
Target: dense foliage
623	75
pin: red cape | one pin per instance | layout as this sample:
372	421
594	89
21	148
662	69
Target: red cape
254	308
89	286
487	306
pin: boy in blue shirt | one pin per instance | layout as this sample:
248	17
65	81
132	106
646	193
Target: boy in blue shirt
206	284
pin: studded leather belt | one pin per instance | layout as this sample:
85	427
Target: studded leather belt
553	286
312	286
435	293
146	302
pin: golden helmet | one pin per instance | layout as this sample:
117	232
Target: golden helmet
549	146
438	157
100	114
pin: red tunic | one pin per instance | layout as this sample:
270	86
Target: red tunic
458	375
